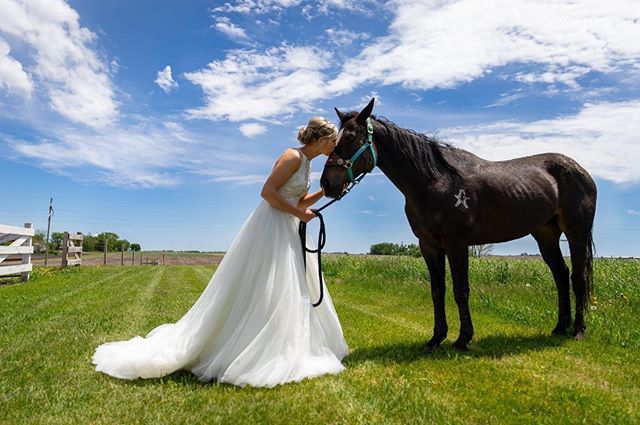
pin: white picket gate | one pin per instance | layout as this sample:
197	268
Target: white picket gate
16	257
72	249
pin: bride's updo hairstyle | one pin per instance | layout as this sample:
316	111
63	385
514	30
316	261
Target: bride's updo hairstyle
317	128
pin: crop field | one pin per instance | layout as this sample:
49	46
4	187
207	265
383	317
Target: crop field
515	371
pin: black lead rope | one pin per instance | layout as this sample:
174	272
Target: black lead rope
322	236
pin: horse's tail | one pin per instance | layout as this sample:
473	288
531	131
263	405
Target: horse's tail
588	290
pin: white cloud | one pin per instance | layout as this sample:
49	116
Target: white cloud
249	179
601	137
256	6
342	37
138	155
271	6
361	6
145	153
165	80
249	84
12	76
231	30
252	129
445	43
505	99
632	212
74	77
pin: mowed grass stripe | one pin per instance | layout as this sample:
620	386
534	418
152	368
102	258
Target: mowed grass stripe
66	358
17	328
68	316
174	295
40	294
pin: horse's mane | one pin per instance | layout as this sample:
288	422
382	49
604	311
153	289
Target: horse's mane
424	152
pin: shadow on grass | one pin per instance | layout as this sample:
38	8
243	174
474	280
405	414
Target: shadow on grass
495	346
180	378
185	380
10	281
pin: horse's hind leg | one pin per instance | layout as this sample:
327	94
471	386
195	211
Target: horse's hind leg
548	238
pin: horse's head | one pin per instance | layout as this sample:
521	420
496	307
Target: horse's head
353	136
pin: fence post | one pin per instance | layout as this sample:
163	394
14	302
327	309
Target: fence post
133	258
106	244
122	255
140	257
26	258
65	249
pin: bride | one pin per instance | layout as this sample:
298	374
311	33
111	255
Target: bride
254	323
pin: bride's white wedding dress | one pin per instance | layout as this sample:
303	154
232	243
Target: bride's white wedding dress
254	323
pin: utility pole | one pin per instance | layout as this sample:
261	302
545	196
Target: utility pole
46	243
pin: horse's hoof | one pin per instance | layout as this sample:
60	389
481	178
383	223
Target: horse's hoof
432	345
560	330
461	346
428	349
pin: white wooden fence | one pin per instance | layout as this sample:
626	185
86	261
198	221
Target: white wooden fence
16	257
72	249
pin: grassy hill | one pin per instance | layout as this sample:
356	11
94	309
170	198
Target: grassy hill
516	372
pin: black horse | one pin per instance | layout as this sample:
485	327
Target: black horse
454	199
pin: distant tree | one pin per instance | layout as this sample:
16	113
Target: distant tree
112	239
383	248
480	250
120	243
89	243
56	241
39	237
388	248
135	247
38	241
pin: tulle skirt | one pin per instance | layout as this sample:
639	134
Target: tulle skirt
252	325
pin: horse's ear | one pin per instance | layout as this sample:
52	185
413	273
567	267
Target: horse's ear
366	112
341	115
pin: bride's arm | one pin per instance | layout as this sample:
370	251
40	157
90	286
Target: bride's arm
285	166
309	200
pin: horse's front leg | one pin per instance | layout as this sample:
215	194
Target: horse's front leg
459	263
436	265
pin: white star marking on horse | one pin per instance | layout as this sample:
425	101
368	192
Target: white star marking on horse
462	199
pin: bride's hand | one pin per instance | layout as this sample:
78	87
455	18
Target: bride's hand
306	215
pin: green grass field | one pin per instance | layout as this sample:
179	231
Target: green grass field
516	372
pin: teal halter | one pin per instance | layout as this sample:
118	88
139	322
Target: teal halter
334	159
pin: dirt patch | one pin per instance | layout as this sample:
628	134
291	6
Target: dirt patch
114	258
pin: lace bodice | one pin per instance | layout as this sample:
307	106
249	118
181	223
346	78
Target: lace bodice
299	182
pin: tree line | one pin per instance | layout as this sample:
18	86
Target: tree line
413	250
89	242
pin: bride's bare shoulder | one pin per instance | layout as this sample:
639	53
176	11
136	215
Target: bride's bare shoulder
291	156
292	153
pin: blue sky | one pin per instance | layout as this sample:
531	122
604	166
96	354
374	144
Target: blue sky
160	120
